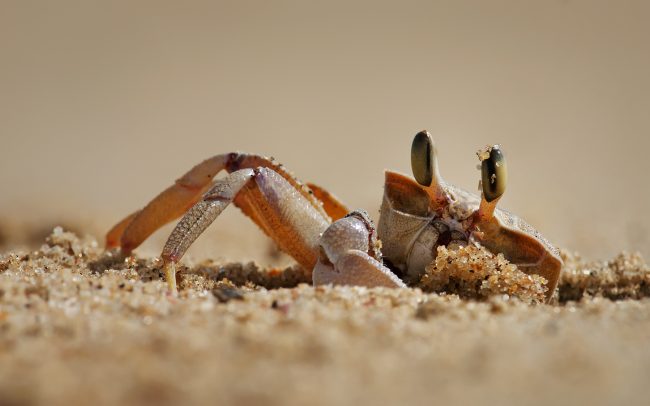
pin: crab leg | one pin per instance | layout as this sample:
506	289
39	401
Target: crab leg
186	191
115	234
334	208
349	255
167	206
269	199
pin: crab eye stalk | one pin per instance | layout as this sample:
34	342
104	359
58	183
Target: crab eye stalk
494	175
493	181
424	164
423	158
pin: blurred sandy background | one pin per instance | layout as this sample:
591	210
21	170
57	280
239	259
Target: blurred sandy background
103	104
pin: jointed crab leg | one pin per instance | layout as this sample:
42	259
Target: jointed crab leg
115	233
203	213
169	204
334	208
129	233
270	200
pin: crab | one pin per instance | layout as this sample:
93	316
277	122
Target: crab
342	247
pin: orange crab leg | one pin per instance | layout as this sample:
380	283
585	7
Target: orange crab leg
167	206
115	234
271	200
186	191
334	208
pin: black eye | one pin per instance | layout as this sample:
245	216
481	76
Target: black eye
494	175
422	158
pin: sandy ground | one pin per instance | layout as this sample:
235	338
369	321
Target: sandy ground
78	325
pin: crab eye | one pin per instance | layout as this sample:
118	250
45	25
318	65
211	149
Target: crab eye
494	175
422	158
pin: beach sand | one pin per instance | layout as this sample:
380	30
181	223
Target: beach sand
82	326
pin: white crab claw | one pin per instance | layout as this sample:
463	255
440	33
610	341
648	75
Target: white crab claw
349	255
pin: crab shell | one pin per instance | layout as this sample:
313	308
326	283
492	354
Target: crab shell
412	223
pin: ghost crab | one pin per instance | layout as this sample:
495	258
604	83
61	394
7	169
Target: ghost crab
342	247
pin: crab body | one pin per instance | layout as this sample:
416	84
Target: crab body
343	247
412	226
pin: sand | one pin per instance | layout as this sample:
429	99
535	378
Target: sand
78	325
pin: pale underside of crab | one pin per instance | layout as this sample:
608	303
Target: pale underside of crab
343	247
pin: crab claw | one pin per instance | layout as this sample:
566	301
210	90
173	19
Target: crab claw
349	255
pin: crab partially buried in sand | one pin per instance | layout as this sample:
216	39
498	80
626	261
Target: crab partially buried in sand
342	247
